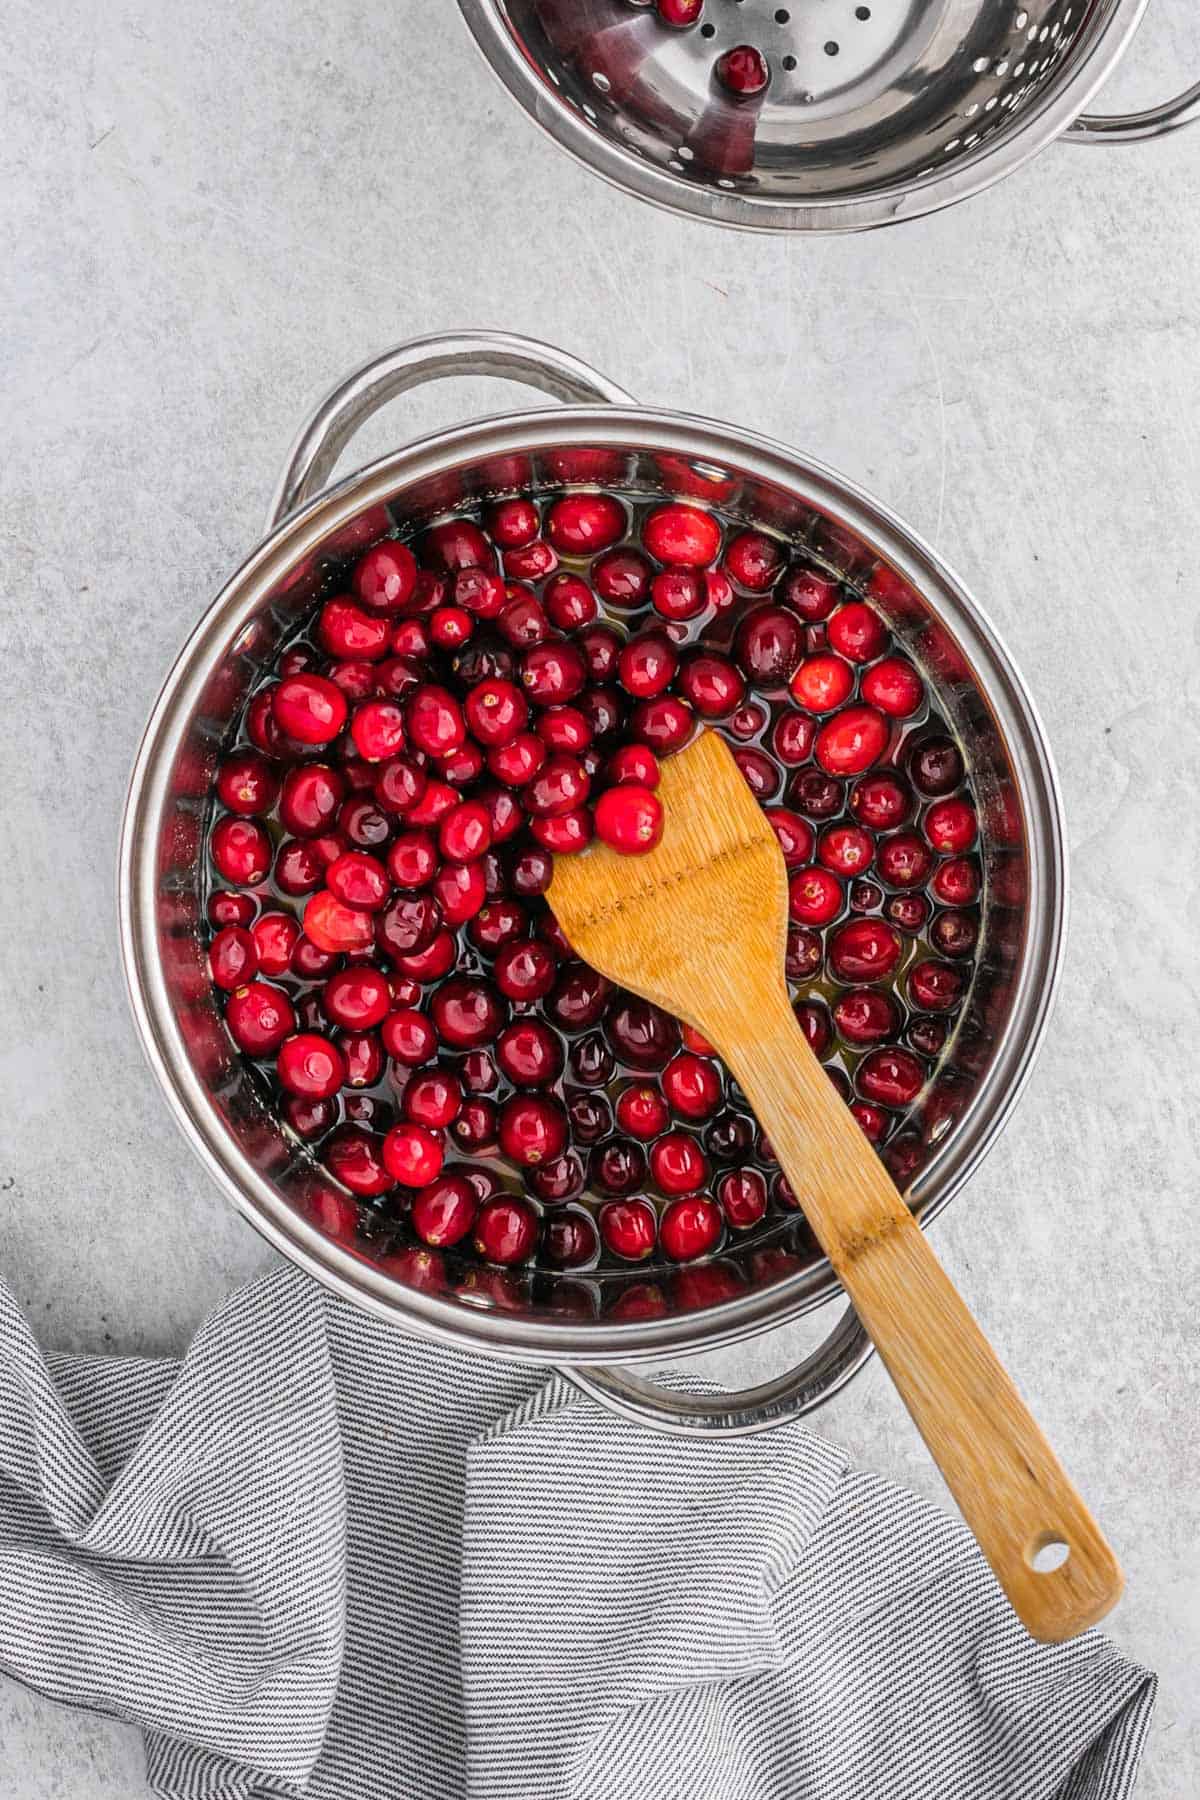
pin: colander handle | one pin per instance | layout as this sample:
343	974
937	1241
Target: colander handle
360	394
1131	128
684	1414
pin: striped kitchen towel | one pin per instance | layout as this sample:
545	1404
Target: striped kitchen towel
319	1558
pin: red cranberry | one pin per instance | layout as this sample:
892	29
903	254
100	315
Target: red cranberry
349	632
525	971
629	1229
465	832
600	647
642	1112
857	631
851	741
532	562
950	826
743	71
630	819
679	13
569	602
692	1085
582	524
822	683
957	883
552	673
646	665
512	523
909	911
618	1167
436	799
336	927
753	559
569	1240
559	787
399	785
579	997
310	962
678	594
815	896
357	999
677	1164
935	986
450	627
863	1016
411	1155
431	963
259	1017
748	720
730	1137
477	1127
357	680
432	1099
232	957
880	802
225	908
457	544
308	1118
309	709
904	861
523	621
558	1180
444	1211
683	536
634	765
533	1129
410	924
478	1072
936	766
742	1196
359	879
591	1117
241	850
517	763
690	1228
435	720
865	896
664	724
954	933
564	728
863	950
529	1054
846	849
467	1013
354	1157
642	1035
247	784
890	1077
927	1035
809	593
275	935
622	577
894	686
364	1058
872	1120
792	738
400	674
768	646
498	923
496	711
310	1066
412	859
479	594
711	685
813	1020
408	1037
364	823
261	724
386	577
530	872
592	1061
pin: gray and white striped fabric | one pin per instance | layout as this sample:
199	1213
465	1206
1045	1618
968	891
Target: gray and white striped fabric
318	1558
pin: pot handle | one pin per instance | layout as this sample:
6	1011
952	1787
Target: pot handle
354	399
1131	128
690	1414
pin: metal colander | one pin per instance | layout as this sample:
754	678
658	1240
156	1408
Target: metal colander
875	110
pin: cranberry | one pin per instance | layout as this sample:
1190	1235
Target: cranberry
690	1228
241	850
927	1035
348	631
753	559
809	593
444	1211
435	721
308	1118
909	911
310	1066
412	1155
247	784
225	908
399	785
904	861
559	787
846	849
950	826
523	621
569	1240
364	823
865	896
642	1035
630	819
529	873
711	685
478	1072
856	631
592	1061
822	683
499	922
465	832
683	536
477	1127
400	674
880	802
433	1099
553	672
729	1137
496	711
677	1163
935	986
954	933
408	1037
936	766
457	544
742	1196
564	728
431	963
768	646
309	709
957	882
743	71
678	594
259	1017
591	1117
569	602
663	724
794	834
233	957
579	997
851	741
261	724
871	1119
310	962
748	720
525	971
792	738
642	1112
359	879
357	680
529	1054
622	577
628	1228
467	1013
813	1020
336	927
646	665
894	686
617	1167
863	950
890	1077
450	627
532	562
436	799
355	1158
275	935
582	524
358	999
815	896
679	13
512	523
410	924
533	1129
517	763
412	859
386	577
863	1016
558	1180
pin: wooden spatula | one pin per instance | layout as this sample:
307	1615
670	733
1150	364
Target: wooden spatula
699	926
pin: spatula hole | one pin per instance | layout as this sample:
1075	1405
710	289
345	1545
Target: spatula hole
1048	1554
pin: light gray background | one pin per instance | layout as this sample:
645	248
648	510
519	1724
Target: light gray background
206	214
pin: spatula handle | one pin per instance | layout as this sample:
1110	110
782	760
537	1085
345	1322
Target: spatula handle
1007	1481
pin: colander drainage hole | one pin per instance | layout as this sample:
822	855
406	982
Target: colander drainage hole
831	49
707	31
782	16
789	62
862	12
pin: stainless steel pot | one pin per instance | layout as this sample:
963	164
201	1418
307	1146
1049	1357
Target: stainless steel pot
269	1177
873	113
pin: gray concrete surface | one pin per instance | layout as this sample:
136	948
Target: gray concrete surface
206	216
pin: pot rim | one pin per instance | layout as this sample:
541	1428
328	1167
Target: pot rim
299	534
1047	119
